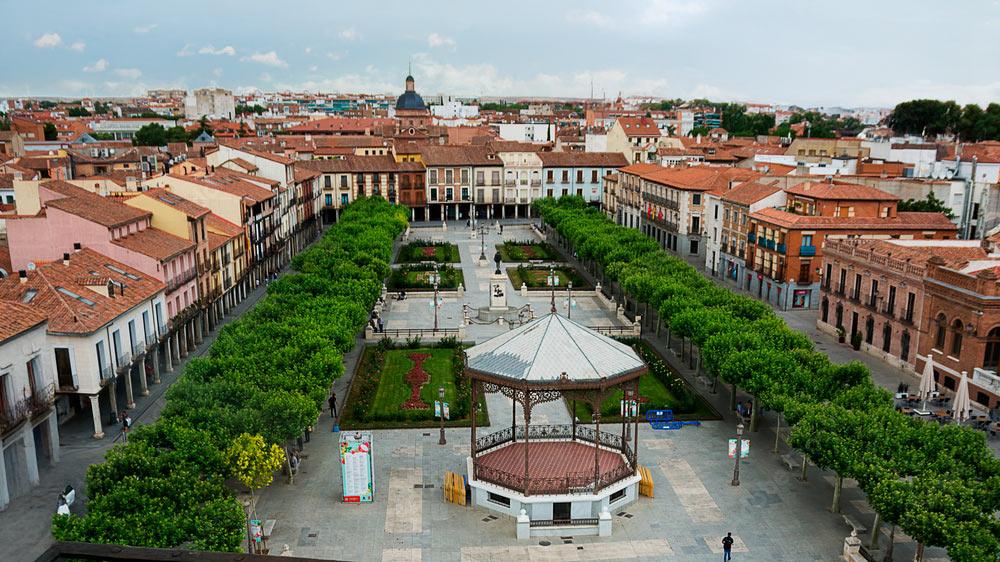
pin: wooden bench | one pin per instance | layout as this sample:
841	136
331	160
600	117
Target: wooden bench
854	524
790	461
268	528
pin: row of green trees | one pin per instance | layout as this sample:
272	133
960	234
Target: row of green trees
267	374
970	123
940	484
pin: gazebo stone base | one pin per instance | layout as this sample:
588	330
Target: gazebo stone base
546	515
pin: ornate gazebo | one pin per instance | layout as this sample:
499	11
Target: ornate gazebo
552	476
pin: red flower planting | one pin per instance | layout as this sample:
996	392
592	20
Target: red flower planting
429	251
416	377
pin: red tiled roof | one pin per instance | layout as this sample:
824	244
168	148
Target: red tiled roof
341	124
66	313
92	207
701	178
16	318
167	197
243	164
919	251
359	164
217	240
840	191
229	184
155	243
215	222
902	221
258	153
639	127
458	156
749	193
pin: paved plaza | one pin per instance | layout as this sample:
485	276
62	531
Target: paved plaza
772	514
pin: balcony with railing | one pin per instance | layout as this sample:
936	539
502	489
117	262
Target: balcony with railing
14	414
181	279
124	361
807	250
107	374
780	248
42	400
668	203
664	224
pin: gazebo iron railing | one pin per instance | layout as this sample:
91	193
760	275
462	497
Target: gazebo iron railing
609	441
571	483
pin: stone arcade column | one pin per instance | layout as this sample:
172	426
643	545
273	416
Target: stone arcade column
143	383
95	412
129	397
168	355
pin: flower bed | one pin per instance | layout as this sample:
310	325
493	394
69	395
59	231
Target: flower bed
415	276
536	277
521	251
424	250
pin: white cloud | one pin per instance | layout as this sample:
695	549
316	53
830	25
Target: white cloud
336	55
130	73
217	72
350	34
589	17
313	68
659	12
186	50
436	40
78	46
211	50
48	41
269	58
100	66
265	77
308	50
145	28
890	95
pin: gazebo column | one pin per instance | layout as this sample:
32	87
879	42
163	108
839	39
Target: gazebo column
475	411
597	444
527	421
513	416
572	414
635	432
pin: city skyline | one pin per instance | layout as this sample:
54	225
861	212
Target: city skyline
772	52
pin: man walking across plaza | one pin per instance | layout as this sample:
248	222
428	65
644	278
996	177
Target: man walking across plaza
332	402
727	547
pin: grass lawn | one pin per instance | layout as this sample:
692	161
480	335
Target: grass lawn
410	278
514	251
535	278
422	250
380	391
663	389
393	389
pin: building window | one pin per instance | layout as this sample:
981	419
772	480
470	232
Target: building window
579	176
991	358
480	177
593	176
956	338
565	176
942	324
495	177
694	247
696	199
449	177
434	194
327	181
498	499
465	177
432	176
620	494
886	337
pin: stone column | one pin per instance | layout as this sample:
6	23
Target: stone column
129	398
156	364
52	426
4	493
30	456
168	355
113	395
95	412
182	341
143	383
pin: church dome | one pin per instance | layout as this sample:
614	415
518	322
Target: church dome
410	98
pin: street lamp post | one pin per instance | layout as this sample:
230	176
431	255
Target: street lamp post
442	440
435	279
569	300
739	451
551	280
482	242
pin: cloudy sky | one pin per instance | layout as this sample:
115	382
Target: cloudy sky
850	53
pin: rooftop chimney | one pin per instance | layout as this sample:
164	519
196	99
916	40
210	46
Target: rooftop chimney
77	246
66	258
22	276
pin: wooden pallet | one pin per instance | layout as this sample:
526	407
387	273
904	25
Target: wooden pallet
646	482
454	488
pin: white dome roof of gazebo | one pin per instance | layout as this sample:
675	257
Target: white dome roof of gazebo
545	348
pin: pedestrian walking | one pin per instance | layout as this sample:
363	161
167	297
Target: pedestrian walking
727	547
126	421
332	402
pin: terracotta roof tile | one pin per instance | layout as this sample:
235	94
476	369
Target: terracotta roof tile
165	196
231	185
359	164
16	318
215	222
155	243
701	178
639	126
841	191
749	193
583	159
90	206
459	156
902	221
65	312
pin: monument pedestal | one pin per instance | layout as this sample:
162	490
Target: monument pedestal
498	291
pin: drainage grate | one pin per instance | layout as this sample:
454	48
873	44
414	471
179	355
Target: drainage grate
628	515
428	486
427	435
544	543
418	485
486	520
579	548
568	542
493	517
313	535
620	514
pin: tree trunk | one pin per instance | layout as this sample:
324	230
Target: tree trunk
668	337
754	414
732	397
919	555
891	545
777	434
837	486
658	324
288	464
805	468
873	545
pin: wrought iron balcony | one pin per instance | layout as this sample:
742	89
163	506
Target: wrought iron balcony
807	250
107	373
14	414
43	399
668	203
751	237
124	361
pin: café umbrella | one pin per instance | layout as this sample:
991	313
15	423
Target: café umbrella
927	381
962	406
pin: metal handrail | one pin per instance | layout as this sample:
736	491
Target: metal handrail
14	415
106	373
575	482
41	400
124	361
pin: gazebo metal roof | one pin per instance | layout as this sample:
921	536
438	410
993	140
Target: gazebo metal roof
553	348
